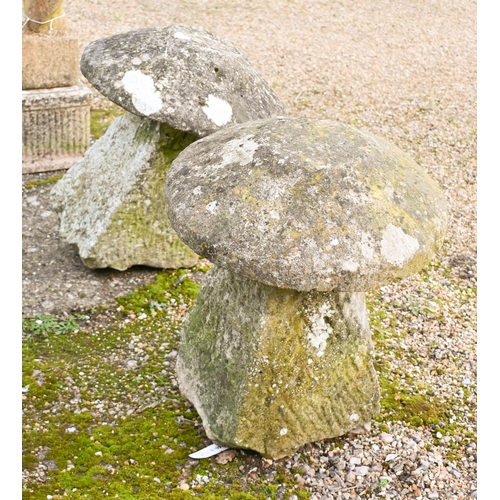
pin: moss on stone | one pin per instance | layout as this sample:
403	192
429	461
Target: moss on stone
258	381
130	448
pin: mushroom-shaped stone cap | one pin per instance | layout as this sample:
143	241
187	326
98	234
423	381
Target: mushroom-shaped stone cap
186	77
306	204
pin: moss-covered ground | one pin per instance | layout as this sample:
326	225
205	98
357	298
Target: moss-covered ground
103	417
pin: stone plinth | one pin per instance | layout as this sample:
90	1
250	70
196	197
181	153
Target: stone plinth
50	61
56	127
270	369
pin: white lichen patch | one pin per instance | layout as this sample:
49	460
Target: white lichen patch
238	151
320	330
218	110
366	246
145	98
354	310
197	190
212	207
350	265
181	36
396	246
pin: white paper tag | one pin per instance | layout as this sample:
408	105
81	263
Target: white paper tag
209	451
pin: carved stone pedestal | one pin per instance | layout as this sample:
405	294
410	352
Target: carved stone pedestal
56	127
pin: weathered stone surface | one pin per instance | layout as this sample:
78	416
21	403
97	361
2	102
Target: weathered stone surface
111	202
56	127
50	61
271	369
306	204
186	77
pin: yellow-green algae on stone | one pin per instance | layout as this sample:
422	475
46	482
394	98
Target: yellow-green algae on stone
111	202
306	204
270	369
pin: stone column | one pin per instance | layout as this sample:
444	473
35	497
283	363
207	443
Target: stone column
56	106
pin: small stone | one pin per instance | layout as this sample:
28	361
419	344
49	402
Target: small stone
362	471
184	486
386	438
390	457
131	364
354	461
225	457
341	464
351	477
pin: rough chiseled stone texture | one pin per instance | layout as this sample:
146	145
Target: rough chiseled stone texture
56	127
111	202
306	204
186	77
270	369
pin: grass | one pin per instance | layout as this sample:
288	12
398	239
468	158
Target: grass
50	180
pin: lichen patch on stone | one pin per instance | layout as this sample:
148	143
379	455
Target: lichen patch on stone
397	247
320	330
218	110
181	36
145	97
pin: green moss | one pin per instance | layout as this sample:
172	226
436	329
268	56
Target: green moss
50	180
169	285
122	454
101	119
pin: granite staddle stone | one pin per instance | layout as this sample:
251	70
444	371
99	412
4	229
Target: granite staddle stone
177	83
300	217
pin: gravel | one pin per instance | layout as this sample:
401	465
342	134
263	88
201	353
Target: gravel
405	71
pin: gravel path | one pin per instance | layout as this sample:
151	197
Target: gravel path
404	70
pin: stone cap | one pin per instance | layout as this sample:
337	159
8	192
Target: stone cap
306	204
186	77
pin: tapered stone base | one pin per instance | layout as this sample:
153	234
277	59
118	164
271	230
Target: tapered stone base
270	369
111	202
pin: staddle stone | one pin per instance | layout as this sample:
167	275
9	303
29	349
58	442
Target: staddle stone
270	369
186	77
110	202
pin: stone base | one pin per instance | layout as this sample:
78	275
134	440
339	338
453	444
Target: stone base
270	369
50	61
56	127
111	202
